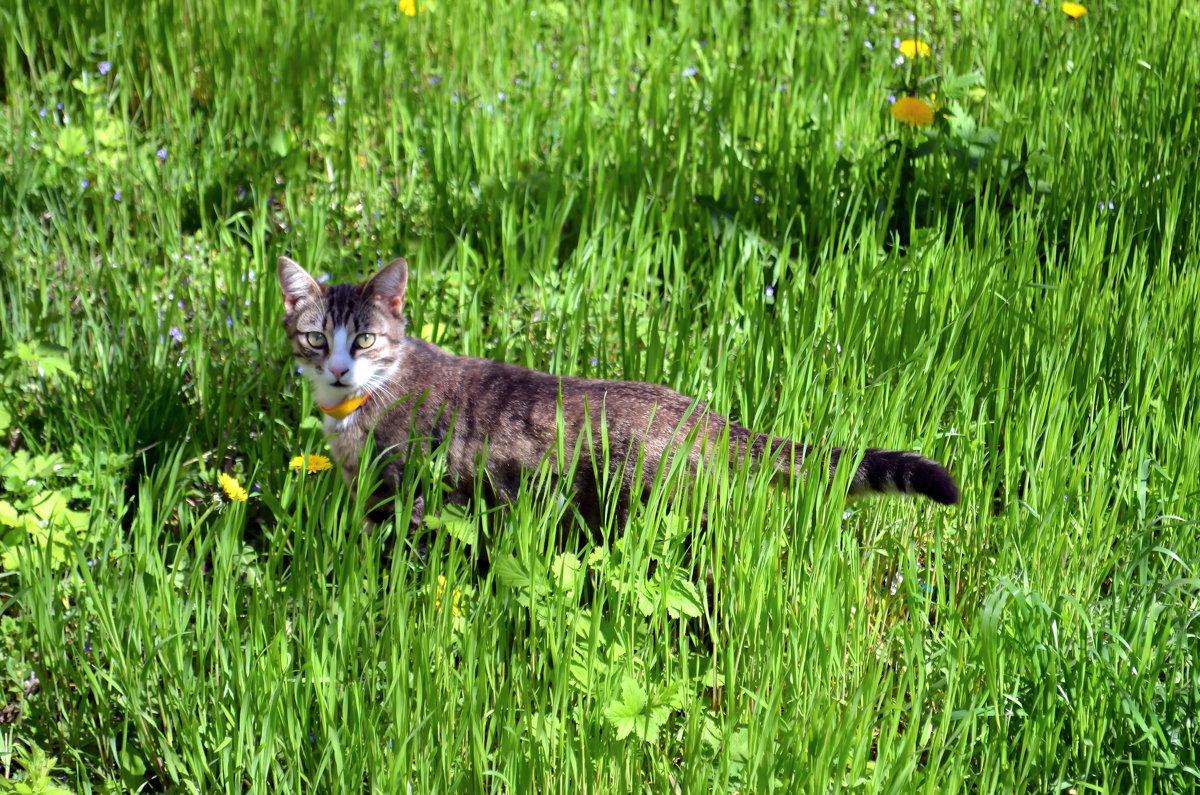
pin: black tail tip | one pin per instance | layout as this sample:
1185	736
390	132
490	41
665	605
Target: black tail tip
936	483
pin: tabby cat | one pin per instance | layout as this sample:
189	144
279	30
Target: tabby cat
370	377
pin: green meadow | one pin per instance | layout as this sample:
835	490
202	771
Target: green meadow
734	199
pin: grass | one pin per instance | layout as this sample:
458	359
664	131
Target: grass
710	195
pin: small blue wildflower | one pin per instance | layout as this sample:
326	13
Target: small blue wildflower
895	44
105	67
324	277
612	92
228	321
838	144
59	106
176	334
87	647
689	72
434	80
871	9
117	196
757	198
340	100
312	737
181	304
912	17
770	291
162	154
891	99
84	183
595	361
500	95
42	113
868	45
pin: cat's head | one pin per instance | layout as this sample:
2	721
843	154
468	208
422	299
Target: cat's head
347	338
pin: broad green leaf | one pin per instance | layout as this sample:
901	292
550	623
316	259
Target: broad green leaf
624	712
71	142
279	142
567	571
48	503
682	598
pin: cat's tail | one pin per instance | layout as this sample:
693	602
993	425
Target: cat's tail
878	472
898	472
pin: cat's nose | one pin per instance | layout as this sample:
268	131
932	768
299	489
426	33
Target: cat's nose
338	371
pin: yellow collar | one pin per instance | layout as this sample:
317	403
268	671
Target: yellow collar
347	407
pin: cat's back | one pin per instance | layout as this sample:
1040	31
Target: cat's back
432	365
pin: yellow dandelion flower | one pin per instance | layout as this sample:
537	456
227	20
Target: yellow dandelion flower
915	48
456	603
913	111
232	488
310	464
1074	10
409	7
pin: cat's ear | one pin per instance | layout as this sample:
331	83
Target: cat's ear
296	283
387	287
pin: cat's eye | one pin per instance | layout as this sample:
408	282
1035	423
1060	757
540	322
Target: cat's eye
315	339
364	340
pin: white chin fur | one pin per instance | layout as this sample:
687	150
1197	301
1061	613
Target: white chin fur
328	395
